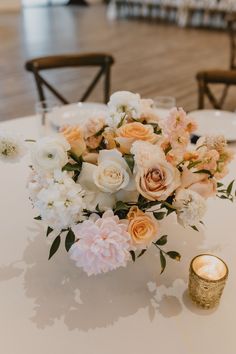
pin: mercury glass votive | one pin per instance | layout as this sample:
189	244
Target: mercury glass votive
207	278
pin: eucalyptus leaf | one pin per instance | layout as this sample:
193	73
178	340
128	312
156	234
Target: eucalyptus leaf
163	262
142	252
159	215
174	255
161	241
229	188
70	240
38	218
133	255
49	230
55	246
194	227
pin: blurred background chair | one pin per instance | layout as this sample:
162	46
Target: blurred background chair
225	77
102	61
213	77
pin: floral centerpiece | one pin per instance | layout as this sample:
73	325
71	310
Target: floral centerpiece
106	185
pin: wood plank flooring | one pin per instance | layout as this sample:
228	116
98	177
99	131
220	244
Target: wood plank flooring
151	58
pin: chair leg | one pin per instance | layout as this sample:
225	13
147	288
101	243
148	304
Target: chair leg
201	89
107	84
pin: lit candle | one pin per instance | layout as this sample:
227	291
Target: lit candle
207	278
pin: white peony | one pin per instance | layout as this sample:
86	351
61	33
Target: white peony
12	147
60	202
123	105
190	207
50	153
103	181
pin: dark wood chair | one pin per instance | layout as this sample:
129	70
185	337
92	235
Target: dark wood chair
225	77
213	77
102	61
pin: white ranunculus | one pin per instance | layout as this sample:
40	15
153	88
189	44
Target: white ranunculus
190	207
50	153
12	147
110	176
122	105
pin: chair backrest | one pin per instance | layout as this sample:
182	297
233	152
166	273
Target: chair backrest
231	25
103	61
213	77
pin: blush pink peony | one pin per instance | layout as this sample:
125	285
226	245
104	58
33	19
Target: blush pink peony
102	245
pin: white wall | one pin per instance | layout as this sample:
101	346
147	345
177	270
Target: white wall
6	5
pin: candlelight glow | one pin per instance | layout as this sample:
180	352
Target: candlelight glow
209	267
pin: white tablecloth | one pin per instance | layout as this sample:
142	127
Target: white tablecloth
53	307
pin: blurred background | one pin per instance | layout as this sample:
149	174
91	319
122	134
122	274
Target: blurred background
158	48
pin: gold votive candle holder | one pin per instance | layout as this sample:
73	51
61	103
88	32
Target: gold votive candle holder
207	278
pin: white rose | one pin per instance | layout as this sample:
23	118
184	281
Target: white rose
110	176
50	153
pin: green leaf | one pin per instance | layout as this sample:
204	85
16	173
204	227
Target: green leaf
159	215
219	184
194	228
229	188
72	167
204	171
174	255
38	218
76	158
100	131
133	255
120	206
141	200
55	246
49	230
161	241
70	240
193	164
223	197
163	262
129	158
142	252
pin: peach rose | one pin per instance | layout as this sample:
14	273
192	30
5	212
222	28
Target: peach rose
109	137
158	181
93	126
142	228
131	132
75	138
198	182
93	142
90	157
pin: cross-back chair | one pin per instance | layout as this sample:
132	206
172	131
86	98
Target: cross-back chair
226	77
100	60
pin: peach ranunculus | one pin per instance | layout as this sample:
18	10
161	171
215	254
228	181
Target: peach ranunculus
75	138
143	228
131	132
198	182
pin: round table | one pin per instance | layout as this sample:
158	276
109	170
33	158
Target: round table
53	307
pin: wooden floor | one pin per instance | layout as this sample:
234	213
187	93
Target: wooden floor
151	58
